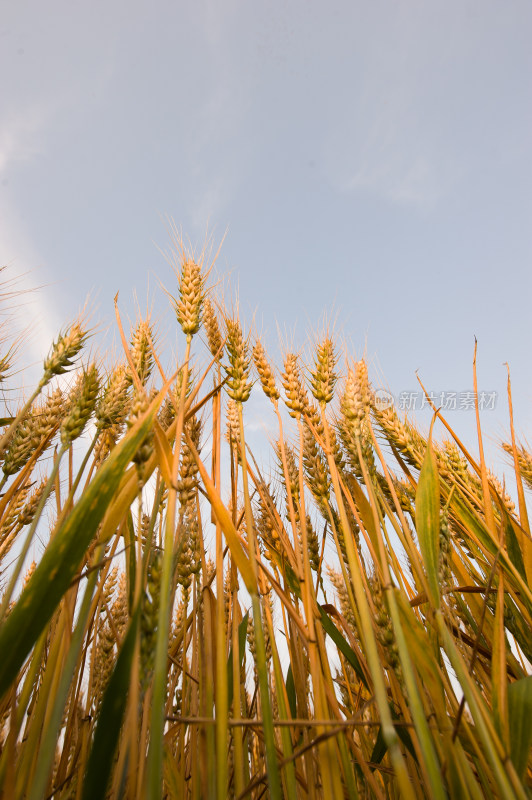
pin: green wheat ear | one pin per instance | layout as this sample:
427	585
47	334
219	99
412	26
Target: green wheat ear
63	352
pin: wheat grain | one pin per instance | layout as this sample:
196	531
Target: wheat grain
191	295
82	401
63	352
212	329
238	385
323	377
265	372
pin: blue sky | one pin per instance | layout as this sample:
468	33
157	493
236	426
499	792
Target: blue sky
371	162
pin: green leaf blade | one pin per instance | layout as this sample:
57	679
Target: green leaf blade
100	763
428	520
520	714
60	562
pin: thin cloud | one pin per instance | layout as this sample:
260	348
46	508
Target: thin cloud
20	139
34	310
383	147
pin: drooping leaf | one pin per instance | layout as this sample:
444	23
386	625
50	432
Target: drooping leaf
342	645
380	748
291	691
292	579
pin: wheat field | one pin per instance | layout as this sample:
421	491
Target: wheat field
345	615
